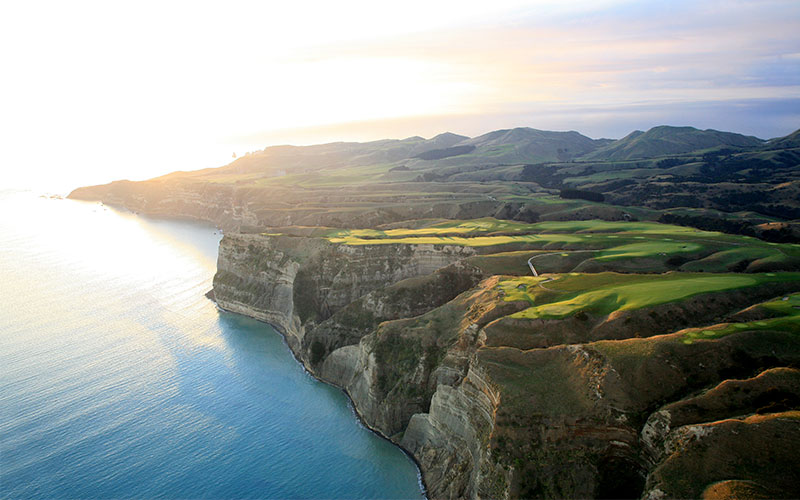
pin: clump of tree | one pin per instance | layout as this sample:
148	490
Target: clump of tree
730	226
545	175
709	223
579	194
670	162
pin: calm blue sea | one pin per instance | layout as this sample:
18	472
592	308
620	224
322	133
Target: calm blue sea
118	378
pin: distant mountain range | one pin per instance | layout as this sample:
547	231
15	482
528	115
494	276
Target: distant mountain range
523	144
363	184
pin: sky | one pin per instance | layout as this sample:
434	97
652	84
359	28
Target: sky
93	91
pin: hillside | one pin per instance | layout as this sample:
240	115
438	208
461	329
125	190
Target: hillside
664	140
788	142
530	145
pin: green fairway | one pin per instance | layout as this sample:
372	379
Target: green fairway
648	249
619	245
787	318
474	226
489	225
608	292
722	261
476	241
600	226
520	289
583	231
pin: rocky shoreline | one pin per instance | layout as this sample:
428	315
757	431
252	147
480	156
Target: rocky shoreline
351	403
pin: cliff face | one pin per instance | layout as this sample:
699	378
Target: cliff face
297	284
220	204
343	309
420	339
417	380
452	440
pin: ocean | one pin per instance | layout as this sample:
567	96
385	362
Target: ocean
119	378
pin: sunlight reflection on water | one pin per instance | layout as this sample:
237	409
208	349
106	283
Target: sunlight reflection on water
120	379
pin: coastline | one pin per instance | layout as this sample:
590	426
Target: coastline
174	389
217	225
420	475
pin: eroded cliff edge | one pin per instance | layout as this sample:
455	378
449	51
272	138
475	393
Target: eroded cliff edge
490	406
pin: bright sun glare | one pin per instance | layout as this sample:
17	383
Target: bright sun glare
107	90
95	91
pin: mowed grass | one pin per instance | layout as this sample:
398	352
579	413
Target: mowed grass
604	293
488	225
721	261
485	225
600	226
595	233
523	288
603	241
648	249
608	247
787	319
475	241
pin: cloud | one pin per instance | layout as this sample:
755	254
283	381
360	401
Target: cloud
622	52
180	84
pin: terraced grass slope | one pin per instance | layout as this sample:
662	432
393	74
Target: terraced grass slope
778	315
607	293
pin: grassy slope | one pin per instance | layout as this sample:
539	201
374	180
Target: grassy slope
785	314
660	141
603	294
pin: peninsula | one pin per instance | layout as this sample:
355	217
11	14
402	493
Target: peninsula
653	351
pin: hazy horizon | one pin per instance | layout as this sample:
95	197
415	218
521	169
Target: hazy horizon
344	132
99	91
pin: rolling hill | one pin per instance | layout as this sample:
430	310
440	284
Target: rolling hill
665	140
699	173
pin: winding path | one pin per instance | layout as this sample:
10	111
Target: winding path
533	269
536	274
